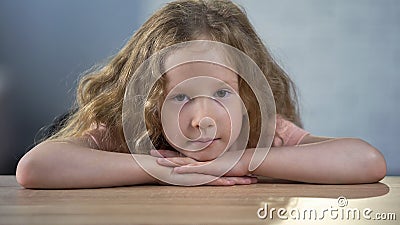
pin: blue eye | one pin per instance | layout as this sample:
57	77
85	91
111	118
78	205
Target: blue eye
181	97
222	93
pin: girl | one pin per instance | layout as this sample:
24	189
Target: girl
90	148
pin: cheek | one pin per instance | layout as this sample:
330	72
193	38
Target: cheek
184	120
236	127
237	121
170	122
233	117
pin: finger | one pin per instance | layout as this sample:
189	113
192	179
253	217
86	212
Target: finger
222	181
175	162
198	167
229	181
170	154
239	180
167	162
253	180
156	153
164	153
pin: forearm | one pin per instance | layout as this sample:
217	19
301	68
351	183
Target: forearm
64	165
335	161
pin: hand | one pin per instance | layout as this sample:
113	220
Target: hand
187	165
229	181
224	181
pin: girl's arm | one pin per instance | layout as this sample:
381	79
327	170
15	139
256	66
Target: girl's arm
334	161
57	164
322	160
74	164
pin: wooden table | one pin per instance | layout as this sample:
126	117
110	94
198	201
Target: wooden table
203	204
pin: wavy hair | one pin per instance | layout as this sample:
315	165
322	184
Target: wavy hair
100	93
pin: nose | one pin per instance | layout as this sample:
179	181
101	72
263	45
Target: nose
203	112
206	122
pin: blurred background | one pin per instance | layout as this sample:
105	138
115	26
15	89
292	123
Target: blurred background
343	55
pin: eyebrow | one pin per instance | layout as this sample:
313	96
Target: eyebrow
231	83
221	82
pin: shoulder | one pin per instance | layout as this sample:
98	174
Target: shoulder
287	133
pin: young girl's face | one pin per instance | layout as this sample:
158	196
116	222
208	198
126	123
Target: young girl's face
202	112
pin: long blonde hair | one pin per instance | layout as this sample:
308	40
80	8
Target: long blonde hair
100	93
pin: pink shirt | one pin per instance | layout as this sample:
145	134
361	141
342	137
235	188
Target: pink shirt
286	134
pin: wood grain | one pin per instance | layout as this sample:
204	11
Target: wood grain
190	205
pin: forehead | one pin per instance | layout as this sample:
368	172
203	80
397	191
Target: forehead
190	70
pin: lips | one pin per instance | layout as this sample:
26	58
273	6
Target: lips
205	140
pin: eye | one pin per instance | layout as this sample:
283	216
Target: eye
222	93
181	97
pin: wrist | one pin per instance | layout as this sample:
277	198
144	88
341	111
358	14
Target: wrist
139	174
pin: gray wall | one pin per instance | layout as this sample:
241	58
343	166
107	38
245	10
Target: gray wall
44	46
343	56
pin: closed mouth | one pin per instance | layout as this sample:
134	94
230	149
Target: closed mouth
205	140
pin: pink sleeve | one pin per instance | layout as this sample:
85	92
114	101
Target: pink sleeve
287	133
98	135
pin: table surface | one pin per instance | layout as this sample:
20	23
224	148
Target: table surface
268	202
